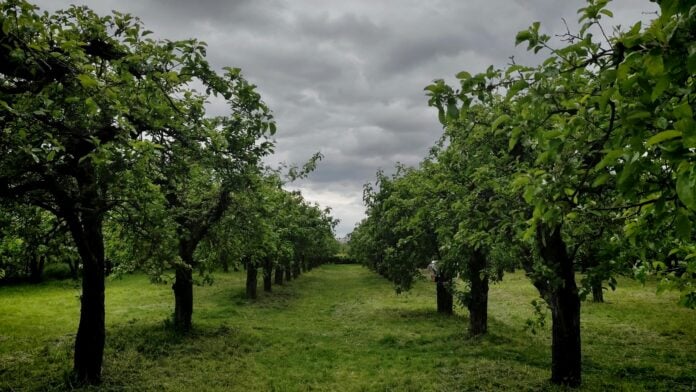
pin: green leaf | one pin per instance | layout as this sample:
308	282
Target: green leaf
662	136
516	87
463	75
668	7
603	99
688	127
514	138
499	121
691	63
609	159
686	186
522	36
638	115
683	111
660	87
520	181
627	175
654	65
682	224
452	110
92	107
6	25
601	180
87	81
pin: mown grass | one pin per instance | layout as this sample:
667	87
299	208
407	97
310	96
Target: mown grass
339	328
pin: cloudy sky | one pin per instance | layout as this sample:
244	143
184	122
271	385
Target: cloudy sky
346	78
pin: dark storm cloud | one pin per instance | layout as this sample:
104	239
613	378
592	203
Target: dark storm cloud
347	78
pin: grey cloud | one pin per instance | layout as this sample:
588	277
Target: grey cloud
347	78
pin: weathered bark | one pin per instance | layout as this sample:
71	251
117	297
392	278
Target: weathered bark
89	342
279	275
597	292
251	280
564	301
478	301
267	274
445	302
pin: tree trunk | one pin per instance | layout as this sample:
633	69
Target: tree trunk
267	274
288	273
183	287
108	266
597	292
73	265
183	298
565	347
564	301
89	342
225	262
445	301
251	280
296	269
478	301
36	267
279	275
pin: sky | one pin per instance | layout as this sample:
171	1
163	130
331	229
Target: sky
346	78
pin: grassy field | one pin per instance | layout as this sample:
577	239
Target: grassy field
339	328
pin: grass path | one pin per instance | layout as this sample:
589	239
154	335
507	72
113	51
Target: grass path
339	328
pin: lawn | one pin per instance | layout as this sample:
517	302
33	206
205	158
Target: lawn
340	328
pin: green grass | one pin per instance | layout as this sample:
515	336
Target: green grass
340	328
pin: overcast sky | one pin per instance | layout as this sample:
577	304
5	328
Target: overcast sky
346	78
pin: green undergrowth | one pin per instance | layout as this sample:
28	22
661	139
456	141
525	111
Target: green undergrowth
339	328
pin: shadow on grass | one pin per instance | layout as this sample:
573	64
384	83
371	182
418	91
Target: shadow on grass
136	351
449	333
235	298
420	315
156	340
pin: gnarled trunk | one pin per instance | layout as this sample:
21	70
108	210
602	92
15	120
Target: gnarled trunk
478	301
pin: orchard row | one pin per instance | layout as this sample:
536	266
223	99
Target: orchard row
585	163
110	162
